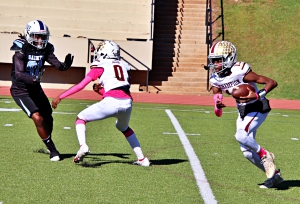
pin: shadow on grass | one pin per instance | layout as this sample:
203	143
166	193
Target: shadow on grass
287	184
91	164
93	160
67	156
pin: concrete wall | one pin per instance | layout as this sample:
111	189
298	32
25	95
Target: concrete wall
137	54
115	20
101	19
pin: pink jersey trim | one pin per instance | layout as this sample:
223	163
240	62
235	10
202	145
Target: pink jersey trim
117	94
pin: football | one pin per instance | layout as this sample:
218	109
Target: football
242	90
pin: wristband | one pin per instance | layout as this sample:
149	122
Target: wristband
218	97
261	94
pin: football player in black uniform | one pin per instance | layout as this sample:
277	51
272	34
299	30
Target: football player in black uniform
32	50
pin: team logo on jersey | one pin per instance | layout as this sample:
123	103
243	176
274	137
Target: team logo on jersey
229	84
35	58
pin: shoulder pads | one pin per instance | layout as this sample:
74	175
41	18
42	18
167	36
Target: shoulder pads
17	45
241	68
50	47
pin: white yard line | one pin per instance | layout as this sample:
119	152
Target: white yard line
199	174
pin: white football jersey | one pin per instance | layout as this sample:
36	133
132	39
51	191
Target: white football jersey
238	71
115	73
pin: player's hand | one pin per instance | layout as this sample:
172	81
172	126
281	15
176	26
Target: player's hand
251	95
55	102
68	62
97	88
36	79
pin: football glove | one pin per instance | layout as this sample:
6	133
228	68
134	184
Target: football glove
68	62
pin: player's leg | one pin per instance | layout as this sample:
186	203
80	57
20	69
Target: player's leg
29	106
123	118
45	121
98	111
252	157
273	181
256	160
248	126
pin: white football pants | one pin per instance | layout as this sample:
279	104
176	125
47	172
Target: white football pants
109	107
246	133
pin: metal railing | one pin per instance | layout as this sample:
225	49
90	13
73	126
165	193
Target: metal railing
209	35
152	20
90	44
89	58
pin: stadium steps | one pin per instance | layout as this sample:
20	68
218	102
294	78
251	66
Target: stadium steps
179	48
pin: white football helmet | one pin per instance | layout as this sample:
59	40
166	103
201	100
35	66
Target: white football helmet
107	50
222	50
37	34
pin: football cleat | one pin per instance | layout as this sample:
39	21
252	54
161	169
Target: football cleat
274	181
54	155
144	162
269	165
82	152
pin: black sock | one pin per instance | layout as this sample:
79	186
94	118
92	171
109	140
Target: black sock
49	144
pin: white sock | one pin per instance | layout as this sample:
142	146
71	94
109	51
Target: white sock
80	130
138	152
135	145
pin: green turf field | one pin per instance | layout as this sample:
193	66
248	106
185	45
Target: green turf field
107	176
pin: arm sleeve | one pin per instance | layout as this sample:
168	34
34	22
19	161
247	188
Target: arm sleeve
19	67
52	59
76	88
95	73
218	111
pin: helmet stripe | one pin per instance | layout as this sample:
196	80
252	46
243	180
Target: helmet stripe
213	47
41	25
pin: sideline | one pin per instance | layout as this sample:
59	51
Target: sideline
199	174
165	98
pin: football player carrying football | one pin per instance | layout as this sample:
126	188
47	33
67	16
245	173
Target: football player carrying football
252	109
32	50
117	101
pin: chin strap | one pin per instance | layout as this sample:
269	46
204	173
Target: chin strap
218	97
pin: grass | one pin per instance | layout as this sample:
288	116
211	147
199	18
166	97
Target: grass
265	33
107	176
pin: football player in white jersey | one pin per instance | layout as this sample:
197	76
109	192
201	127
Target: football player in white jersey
252	110
117	101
